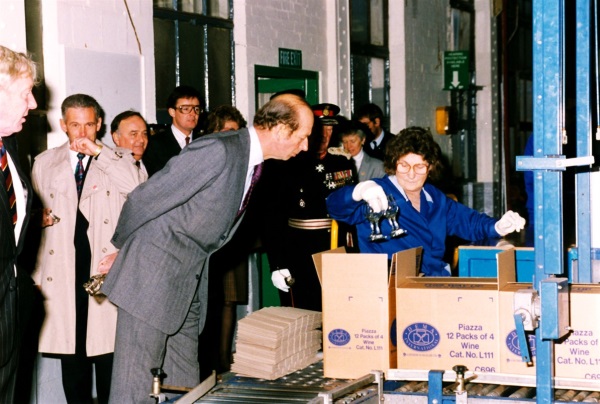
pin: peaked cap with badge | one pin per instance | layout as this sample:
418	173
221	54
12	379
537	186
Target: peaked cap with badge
326	112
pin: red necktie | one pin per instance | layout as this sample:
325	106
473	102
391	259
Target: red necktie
8	183
255	177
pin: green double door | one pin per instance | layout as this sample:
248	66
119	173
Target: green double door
269	80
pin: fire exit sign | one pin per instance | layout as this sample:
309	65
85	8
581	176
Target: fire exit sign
290	58
456	70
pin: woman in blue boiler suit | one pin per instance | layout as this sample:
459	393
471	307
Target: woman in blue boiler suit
425	212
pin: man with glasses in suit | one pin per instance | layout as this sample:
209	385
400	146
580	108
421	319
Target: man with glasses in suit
185	106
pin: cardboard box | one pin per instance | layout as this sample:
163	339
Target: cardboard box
575	357
359	307
477	261
578	356
443	322
510	352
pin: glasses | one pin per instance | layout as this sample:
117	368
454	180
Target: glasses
186	109
404	168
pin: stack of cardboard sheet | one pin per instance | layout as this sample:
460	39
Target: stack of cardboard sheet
276	341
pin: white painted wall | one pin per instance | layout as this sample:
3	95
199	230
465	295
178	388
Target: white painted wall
92	47
295	24
12	24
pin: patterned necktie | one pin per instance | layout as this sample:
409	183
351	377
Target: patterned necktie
8	183
255	176
79	173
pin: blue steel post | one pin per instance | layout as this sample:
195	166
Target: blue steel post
548	81
584	132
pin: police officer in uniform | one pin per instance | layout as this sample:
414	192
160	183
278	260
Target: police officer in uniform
296	221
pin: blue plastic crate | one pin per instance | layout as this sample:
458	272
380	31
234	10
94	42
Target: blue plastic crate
481	262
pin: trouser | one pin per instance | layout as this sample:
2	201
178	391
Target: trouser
8	378
140	347
77	373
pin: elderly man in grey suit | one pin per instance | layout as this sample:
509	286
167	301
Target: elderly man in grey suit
353	137
17	75
169	228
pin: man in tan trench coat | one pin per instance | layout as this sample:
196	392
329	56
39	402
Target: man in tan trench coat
78	328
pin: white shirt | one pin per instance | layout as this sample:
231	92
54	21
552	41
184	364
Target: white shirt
180	136
75	160
358	159
256	157
20	196
376	142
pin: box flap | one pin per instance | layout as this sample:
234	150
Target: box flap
407	263
354	271
446	282
507	271
318	260
585	288
478	247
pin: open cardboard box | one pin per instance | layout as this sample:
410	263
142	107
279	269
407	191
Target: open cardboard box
443	322
359	304
576	356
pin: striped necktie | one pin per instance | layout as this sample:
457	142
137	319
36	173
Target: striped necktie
8	183
79	173
255	177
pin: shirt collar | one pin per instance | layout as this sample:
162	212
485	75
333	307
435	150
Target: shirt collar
256	154
394	181
379	138
359	158
74	159
179	136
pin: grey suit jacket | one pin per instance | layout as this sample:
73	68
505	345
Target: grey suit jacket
171	224
370	168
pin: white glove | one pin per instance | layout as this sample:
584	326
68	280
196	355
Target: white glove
511	221
371	193
279	279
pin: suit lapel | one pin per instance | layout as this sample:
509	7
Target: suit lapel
171	144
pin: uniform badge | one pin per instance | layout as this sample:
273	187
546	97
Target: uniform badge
320	168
